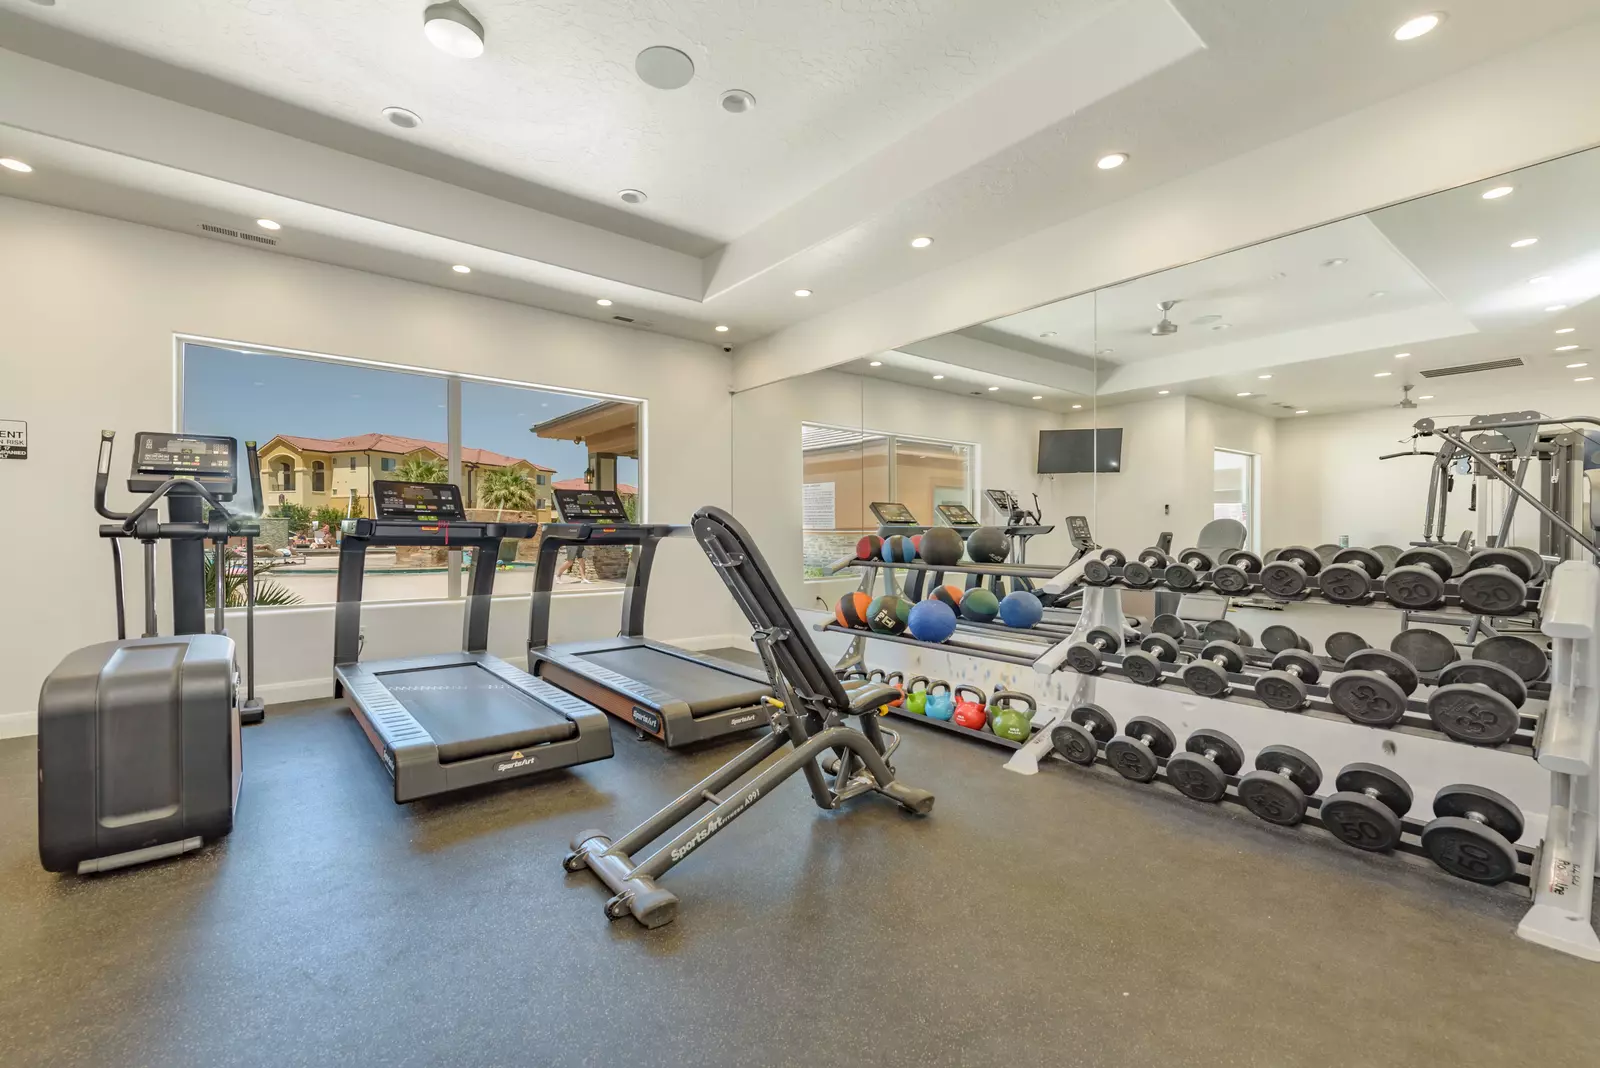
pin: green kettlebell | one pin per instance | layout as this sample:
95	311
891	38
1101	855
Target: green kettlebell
1009	721
917	700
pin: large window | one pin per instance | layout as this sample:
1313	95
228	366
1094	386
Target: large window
843	471
1234	489
327	428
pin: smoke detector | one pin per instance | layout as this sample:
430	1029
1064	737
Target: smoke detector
1166	326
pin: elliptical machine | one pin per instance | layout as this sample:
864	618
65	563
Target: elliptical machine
139	754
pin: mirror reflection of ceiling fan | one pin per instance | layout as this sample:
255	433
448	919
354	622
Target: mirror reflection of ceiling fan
1166	326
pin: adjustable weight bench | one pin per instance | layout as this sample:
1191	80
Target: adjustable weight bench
809	712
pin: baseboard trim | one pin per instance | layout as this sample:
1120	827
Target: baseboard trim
19	724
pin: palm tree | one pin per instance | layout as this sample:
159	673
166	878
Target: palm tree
421	469
268	594
505	487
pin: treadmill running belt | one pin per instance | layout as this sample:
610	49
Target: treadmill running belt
470	712
704	689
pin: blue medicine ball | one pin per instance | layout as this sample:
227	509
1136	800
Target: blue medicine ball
899	549
932	621
1021	609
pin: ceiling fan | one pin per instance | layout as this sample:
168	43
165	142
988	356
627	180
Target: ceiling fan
1166	326
1405	397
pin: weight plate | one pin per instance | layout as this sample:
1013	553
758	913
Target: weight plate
1137	575
1432	557
1368	697
1277	638
1073	742
1272	554
1364	559
1168	624
1273	797
1305	643
1519	654
1361	821
1345	584
1133	760
1244	560
1228	578
1097	721
1535	572
1341	645
1282	691
1428	650
1473	714
1205	679
1375	780
1493	809
1493	593
1225	751
1414	586
1326	552
1161	742
1112	557
1295	764
1284	579
1502	680
1197	559
1197	778
1297	661
1510	559
1105	638
1142	667
1389	554
1231	655
1469	850
1154	558
1397	668
1182	577
1219	630
1097	572
1084	658
1162	647
1458	558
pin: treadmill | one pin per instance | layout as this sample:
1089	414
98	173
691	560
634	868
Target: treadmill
668	693
452	720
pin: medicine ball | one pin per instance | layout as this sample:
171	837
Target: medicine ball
933	621
869	547
852	609
916	544
888	614
988	545
1021	609
942	546
979	605
898	549
950	595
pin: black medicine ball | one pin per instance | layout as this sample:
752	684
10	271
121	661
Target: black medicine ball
988	545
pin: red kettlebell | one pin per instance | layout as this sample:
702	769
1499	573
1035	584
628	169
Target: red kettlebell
970	711
898	681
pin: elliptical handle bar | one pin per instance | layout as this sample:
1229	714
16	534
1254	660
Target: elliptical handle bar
102	477
257	504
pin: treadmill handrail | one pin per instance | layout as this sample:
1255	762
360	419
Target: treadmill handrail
555	537
613	533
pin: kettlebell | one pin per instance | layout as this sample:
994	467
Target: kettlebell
898	681
878	676
1008	721
970	711
940	705
917	700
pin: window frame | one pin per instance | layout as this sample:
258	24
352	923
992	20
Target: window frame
1252	491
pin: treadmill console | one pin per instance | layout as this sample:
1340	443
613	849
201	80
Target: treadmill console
591	506
1078	530
425	501
893	514
1003	500
202	458
957	515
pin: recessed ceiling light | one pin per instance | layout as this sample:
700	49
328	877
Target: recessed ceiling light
737	101
1585	378
1401	355
1382	374
1241	394
1556	308
937	378
603	302
875	363
406	120
1575	366
993	389
1418	26
1566	330
1038	396
1302	411
1162	392
1539	280
1077	406
802	292
1104	352
1263	376
1426	396
1223	326
1048	333
721	329
1204	319
15	165
1339	261
1524	242
451	29
1565	348
921	242
632	196
461	268
1113	161
663	67
268	224
1376	293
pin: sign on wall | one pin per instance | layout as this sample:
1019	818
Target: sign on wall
13	439
816	506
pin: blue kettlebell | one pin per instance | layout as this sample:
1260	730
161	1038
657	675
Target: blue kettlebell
940	705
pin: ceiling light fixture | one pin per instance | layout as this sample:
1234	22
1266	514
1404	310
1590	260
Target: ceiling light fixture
1427	396
1566	330
1075	407
1302	411
406	120
461	268
451	29
1556	308
1575	366
1382	374
1223	326
663	67
721	329
737	102
1524	242
1378	293
1038	396
1565	348
1112	162
993	389
1104	352
802	292
1263	376
1585	378
1241	394
1418	26
632	196
1162	392
15	165
268	224
1499	191
938	378
603	302
875	363
921	242
1401	355
1048	333
1539	280
1338	261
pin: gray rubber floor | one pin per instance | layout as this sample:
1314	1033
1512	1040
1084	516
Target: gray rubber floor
1066	919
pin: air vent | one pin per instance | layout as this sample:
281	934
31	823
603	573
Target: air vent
622	318
223	231
1472	368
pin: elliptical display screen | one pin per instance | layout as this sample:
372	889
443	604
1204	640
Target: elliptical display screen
417	500
893	514
590	506
957	515
178	455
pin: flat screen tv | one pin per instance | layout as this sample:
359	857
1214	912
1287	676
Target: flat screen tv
1069	452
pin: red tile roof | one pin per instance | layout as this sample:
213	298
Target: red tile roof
582	484
395	444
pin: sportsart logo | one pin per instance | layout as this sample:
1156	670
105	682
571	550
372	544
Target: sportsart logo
739	721
648	720
517	761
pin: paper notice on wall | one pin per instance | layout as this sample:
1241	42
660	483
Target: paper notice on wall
14	441
816	506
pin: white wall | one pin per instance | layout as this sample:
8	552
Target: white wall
90	307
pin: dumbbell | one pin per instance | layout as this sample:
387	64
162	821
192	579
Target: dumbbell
1173	627
1080	736
1220	630
1201	771
1136	752
1284	687
1277	638
1278	789
1085	657
1513	651
1478	702
1496	582
1418	580
1236	571
1288	576
1474	833
1373	687
1183	573
1366	811
1349	579
1097	572
1343	644
1208	675
1428	650
1143	665
1140	572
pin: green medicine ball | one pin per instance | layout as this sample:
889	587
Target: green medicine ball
979	605
888	614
